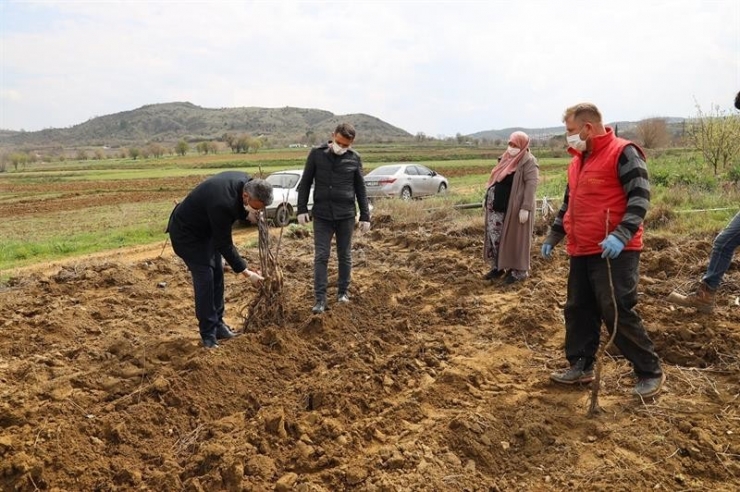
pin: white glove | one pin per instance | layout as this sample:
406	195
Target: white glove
303	219
523	216
364	227
254	277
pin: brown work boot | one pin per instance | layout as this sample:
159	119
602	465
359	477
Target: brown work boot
702	299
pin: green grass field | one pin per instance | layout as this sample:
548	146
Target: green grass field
64	226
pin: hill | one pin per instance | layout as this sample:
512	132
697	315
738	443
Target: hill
503	134
626	129
170	122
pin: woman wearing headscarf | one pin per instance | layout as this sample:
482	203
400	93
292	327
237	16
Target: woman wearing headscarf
509	210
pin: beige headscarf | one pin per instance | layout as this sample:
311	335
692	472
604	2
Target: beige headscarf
508	164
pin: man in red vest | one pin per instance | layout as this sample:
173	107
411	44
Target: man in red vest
605	203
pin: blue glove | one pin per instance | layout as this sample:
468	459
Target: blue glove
611	246
546	250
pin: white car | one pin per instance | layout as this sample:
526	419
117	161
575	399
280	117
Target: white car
403	180
285	196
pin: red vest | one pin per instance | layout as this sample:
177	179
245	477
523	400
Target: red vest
596	197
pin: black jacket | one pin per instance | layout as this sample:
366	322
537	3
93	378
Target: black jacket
337	181
200	225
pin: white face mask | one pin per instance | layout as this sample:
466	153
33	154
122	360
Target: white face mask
575	142
250	209
338	149
513	151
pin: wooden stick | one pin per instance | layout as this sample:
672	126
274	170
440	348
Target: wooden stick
594	407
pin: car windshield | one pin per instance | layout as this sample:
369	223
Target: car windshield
282	180
384	171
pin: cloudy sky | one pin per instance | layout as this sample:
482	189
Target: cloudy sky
435	67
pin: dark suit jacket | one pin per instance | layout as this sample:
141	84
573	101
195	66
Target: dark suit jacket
200	225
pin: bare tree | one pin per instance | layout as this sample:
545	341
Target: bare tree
242	143
653	133
155	150
716	135
254	144
230	140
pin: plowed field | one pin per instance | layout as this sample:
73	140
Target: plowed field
430	379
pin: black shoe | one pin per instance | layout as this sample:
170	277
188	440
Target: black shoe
578	373
647	387
510	279
343	298
209	342
319	307
494	274
223	332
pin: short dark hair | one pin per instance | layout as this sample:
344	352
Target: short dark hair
346	130
737	101
260	190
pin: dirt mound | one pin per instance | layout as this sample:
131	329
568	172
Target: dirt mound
430	379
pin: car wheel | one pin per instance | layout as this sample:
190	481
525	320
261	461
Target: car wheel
442	188
282	215
406	193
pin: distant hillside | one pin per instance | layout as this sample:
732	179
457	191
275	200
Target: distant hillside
628	127
170	122
534	133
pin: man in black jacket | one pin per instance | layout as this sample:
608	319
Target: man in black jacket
200	231
335	170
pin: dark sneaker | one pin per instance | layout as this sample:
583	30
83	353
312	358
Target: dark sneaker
210	342
647	387
343	298
494	274
510	279
319	307
223	332
578	373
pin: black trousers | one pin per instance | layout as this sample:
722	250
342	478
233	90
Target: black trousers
323	230
590	302
208	287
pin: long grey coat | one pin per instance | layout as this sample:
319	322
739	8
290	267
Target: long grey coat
516	238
